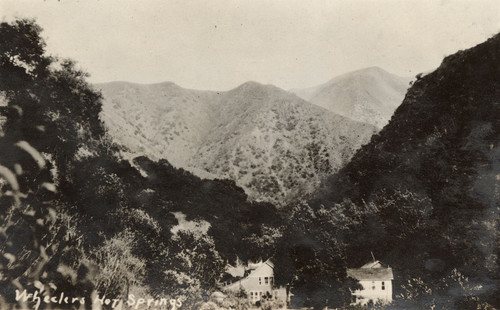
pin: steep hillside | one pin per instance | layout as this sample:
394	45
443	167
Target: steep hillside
369	95
272	143
275	145
160	120
429	183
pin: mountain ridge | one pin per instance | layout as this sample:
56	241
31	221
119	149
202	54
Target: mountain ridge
242	134
369	95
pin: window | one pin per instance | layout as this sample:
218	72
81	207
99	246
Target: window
383	285
373	287
260	281
271	280
266	280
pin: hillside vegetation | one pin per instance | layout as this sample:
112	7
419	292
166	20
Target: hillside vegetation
83	215
424	194
79	220
274	145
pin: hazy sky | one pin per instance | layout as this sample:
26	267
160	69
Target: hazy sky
219	44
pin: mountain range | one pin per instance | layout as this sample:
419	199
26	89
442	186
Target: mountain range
275	145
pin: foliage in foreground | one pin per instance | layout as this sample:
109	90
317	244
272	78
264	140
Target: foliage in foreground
78	220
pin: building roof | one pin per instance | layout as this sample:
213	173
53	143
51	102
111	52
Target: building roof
236	271
373	271
374	264
257	265
251	270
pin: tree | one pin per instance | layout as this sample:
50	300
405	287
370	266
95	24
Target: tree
51	116
67	198
312	253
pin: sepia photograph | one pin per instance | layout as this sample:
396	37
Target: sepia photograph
249	155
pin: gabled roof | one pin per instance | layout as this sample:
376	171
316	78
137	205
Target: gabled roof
270	263
374	264
252	269
235	271
372	271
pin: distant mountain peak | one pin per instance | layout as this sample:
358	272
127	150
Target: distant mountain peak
252	85
368	95
372	69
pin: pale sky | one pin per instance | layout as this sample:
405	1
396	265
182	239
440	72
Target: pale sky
219	44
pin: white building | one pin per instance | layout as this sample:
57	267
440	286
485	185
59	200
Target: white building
376	281
258	283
